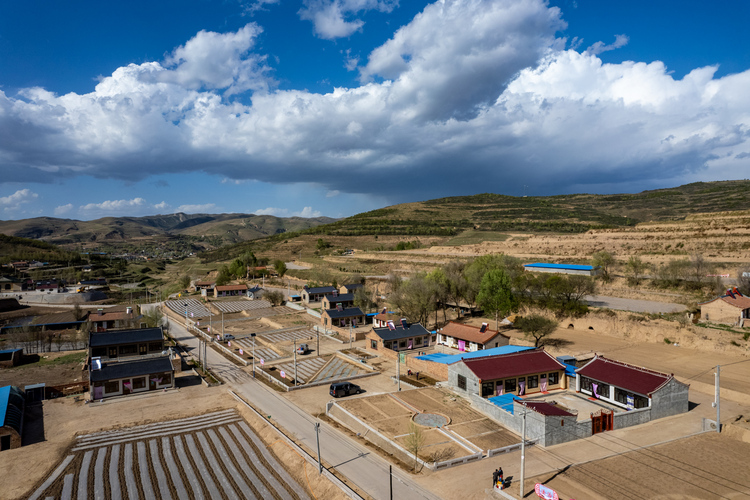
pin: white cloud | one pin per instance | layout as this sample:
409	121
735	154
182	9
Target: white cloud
112	206
469	96
350	62
599	47
194	209
333	193
14	201
338	18
285	212
162	206
64	209
253	7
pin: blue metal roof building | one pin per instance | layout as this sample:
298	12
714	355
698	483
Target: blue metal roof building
544	267
12	405
447	359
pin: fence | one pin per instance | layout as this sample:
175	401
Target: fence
508	449
212	341
457	461
292	305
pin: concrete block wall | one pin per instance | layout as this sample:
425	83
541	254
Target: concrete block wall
672	399
632	417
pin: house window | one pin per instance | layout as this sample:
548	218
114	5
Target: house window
603	390
433	339
387	345
401	344
586	384
154	347
128	350
374	344
139	383
510	385
111	387
533	382
99	352
462	382
417	341
166	379
488	389
554	378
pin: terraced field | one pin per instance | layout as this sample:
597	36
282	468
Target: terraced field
241	305
216	455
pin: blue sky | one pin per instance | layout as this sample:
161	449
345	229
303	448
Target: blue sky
334	107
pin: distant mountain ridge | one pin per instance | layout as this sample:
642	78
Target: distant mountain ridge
217	229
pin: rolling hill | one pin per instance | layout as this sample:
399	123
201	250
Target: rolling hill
199	231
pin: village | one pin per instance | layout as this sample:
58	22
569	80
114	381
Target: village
215	371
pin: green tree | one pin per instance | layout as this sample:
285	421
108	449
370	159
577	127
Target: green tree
184	281
441	290
606	261
238	268
224	276
636	268
496	295
274	297
153	317
536	326
321	244
280	268
456	283
476	270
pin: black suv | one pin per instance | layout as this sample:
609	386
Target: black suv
341	389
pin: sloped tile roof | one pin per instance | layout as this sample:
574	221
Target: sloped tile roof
468	333
623	375
513	365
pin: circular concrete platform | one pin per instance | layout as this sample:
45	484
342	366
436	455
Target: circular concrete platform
430	419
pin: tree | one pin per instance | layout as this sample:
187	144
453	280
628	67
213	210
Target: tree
636	268
606	261
322	245
280	268
456	283
78	313
479	267
224	276
672	273
441	289
743	280
184	281
414	298
153	317
496	295
362	299
699	269
274	297
237	268
414	441
536	326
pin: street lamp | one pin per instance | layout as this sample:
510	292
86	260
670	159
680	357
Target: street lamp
252	335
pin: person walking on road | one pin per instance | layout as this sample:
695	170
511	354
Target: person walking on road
500	478
495	475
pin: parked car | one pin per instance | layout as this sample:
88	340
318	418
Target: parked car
303	349
228	337
341	389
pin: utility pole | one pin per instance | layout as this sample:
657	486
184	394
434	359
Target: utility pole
523	451
318	348
350	335
390	478
398	370
317	438
295	362
222	325
717	400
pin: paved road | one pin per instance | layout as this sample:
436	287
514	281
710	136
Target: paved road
635	305
361	466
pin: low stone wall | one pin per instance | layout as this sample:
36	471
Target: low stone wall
632	417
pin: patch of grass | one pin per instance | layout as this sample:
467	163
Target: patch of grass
667	341
73	358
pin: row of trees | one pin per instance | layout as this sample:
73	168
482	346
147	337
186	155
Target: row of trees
496	283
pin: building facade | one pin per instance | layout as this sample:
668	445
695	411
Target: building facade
733	308
470	338
12	408
400	336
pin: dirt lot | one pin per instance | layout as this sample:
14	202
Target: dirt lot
702	467
52	368
392	415
64	418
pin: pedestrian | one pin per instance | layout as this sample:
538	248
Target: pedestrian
417	375
500	478
494	478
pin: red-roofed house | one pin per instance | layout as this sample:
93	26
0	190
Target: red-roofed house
519	373
230	290
470	338
730	309
632	387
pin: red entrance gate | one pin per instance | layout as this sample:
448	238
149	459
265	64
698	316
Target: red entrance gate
602	420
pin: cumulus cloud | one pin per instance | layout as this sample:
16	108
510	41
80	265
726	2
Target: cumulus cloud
14	201
162	206
469	96
64	209
285	212
338	18
195	209
333	193
252	7
112	206
599	47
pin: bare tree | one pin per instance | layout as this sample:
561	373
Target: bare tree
414	442
606	261
635	268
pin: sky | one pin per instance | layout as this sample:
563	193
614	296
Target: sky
336	107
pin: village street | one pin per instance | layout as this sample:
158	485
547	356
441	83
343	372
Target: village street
360	466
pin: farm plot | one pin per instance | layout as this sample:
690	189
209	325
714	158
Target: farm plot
216	455
241	305
311	370
291	335
195	309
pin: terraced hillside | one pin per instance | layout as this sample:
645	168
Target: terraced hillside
575	213
215	456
